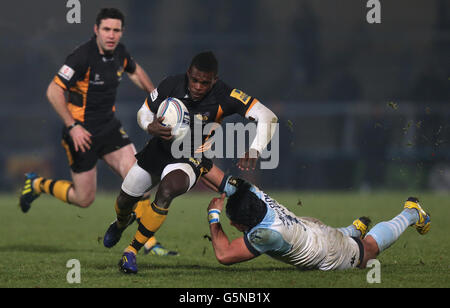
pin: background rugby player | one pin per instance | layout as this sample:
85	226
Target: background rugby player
90	77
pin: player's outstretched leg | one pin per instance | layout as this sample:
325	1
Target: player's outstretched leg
35	185
385	233
172	185
358	228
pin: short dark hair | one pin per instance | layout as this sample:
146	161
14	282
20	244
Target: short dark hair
106	13
206	62
244	207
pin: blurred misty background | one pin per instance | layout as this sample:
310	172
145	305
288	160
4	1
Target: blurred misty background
361	106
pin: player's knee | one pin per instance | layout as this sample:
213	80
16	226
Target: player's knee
125	201
173	185
164	195
86	201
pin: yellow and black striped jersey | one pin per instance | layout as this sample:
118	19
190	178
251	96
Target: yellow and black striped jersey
221	101
91	80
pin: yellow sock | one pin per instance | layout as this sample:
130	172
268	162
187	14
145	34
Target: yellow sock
59	189
151	220
139	211
151	242
140	207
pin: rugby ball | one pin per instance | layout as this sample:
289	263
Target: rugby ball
176	116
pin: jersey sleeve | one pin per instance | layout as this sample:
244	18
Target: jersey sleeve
159	94
230	185
235	101
129	63
73	69
264	240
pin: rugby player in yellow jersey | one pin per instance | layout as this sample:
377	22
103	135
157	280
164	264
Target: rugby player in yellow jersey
209	100
89	78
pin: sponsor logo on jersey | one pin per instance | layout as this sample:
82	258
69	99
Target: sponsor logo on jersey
66	72
105	59
123	133
195	161
239	95
120	72
97	80
154	94
202	117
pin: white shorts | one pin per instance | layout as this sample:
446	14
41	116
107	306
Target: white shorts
343	252
340	251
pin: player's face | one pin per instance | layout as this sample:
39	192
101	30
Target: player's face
200	83
108	34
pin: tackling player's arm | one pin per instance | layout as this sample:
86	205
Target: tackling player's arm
141	79
80	136
227	252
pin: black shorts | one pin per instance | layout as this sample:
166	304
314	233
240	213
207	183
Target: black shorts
102	144
155	157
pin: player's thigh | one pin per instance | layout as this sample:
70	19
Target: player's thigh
182	174
79	161
176	179
84	187
122	159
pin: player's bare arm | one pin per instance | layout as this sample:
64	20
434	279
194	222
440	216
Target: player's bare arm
80	136
141	79
226	252
213	178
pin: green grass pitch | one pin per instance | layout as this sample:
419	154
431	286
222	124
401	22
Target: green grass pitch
35	247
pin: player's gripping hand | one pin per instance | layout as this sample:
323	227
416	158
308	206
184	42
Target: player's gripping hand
217	203
81	138
249	160
157	129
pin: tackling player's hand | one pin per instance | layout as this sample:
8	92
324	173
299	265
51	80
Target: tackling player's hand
81	138
249	160
217	203
157	129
